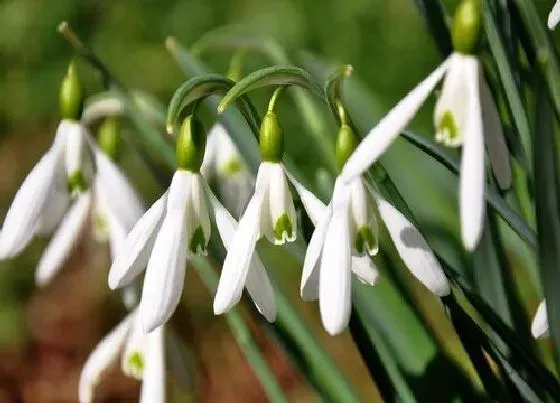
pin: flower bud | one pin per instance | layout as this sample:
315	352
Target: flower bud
70	96
346	143
271	138
191	144
108	137
467	24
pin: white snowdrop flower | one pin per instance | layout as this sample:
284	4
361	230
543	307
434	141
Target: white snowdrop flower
224	167
554	16
95	204
142	357
62	175
175	228
539	327
337	246
270	213
465	115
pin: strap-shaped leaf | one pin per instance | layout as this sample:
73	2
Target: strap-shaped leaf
272	76
196	89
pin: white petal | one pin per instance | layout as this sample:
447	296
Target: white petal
236	190
494	136
197	212
153	384
471	193
381	136
257	282
104	354
280	204
102	108
165	274
134	254
64	240
413	249
539	327
26	209
364	268
76	151
241	249
208	168
130	296
554	16
335	296
127	206
53	210
311	274
313	206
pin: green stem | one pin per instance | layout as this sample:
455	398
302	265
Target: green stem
243	337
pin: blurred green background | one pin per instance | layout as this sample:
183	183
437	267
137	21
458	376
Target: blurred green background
45	334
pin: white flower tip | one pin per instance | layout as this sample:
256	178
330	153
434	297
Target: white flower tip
539	327
222	304
441	288
470	237
85	392
334	326
114	280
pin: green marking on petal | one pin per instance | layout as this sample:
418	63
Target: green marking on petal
283	226
198	242
135	362
365	240
77	182
447	128
101	226
231	166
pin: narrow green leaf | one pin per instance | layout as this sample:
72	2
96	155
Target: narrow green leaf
542	47
547	202
272	76
243	337
434	16
513	96
198	88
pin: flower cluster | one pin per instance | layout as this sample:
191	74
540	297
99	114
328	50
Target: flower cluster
71	192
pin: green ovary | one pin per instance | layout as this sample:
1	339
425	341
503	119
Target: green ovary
447	130
198	242
136	362
283	225
365	240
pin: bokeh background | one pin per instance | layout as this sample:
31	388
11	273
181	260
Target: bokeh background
45	334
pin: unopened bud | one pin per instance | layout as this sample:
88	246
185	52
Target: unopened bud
271	138
346	143
108	137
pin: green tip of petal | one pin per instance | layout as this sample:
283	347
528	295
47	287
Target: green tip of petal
77	182
231	166
447	131
366	241
197	243
135	362
283	229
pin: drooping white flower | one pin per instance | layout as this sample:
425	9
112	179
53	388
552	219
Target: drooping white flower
554	16
225	167
110	216
176	227
539	327
465	115
270	213
142	357
345	234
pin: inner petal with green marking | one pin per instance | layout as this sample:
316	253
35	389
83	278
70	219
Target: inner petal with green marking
231	166
135	362
283	229
77	182
197	243
447	131
366	241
